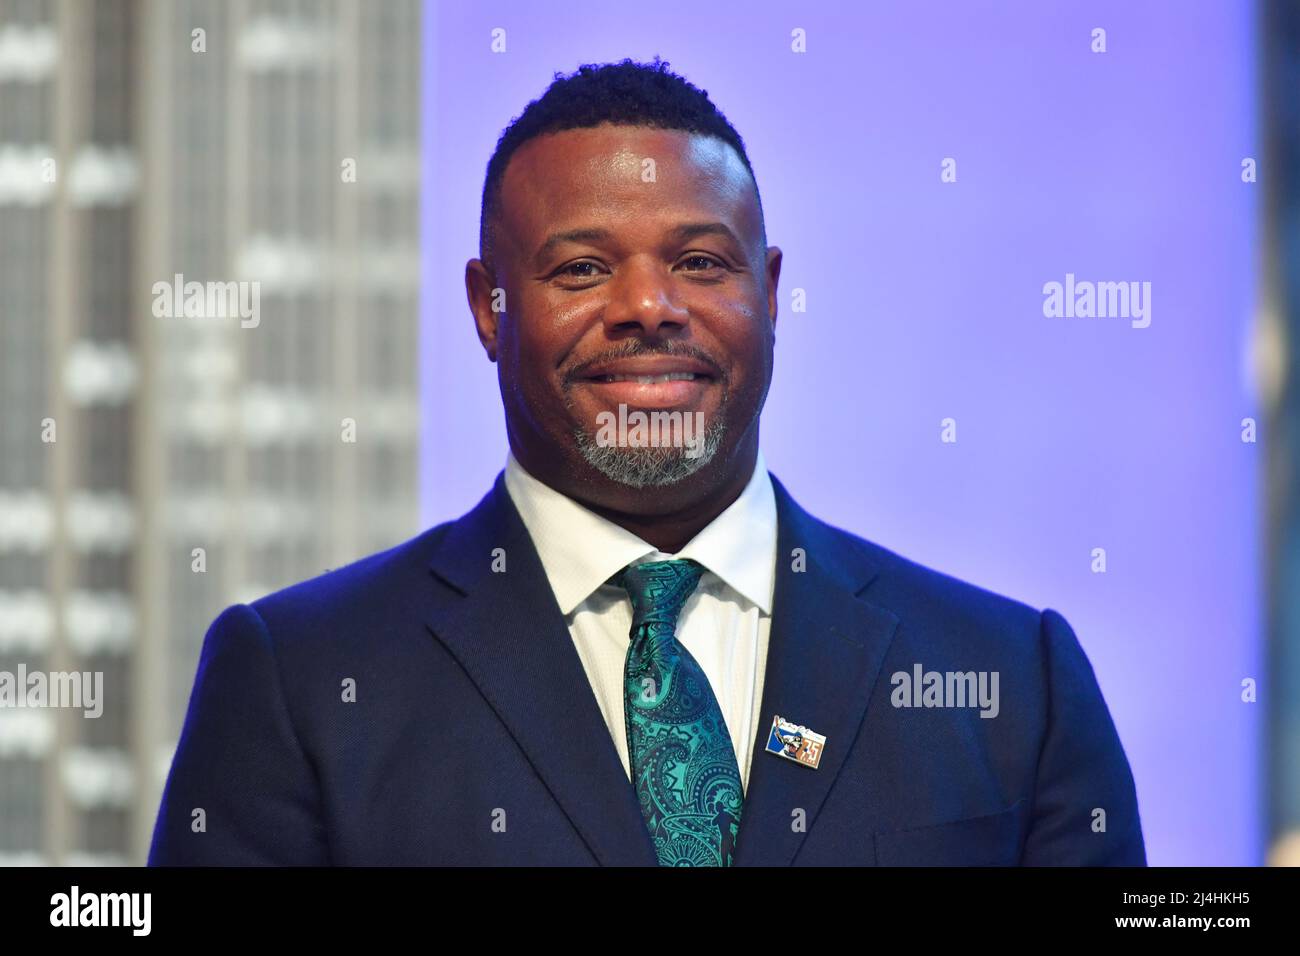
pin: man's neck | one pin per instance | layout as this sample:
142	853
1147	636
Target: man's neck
668	531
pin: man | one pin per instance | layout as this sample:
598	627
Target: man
637	649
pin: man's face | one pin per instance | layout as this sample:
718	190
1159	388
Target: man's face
634	274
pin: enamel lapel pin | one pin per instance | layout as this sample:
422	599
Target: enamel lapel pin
795	742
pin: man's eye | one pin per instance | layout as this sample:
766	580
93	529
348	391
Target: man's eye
570	270
702	262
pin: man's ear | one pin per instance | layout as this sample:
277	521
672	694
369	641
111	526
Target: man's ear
773	277
483	294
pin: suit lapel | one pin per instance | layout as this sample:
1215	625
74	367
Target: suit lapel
825	650
507	631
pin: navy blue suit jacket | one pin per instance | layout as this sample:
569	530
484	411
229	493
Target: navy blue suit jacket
474	736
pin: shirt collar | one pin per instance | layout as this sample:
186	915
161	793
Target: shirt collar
580	550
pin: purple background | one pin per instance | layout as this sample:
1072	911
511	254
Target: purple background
925	301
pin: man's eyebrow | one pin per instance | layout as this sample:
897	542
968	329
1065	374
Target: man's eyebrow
692	230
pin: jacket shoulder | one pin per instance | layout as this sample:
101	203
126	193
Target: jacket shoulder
922	594
363	592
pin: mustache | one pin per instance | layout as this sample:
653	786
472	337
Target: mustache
636	349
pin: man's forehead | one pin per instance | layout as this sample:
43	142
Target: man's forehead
557	178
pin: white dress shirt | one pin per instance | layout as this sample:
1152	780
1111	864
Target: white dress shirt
724	624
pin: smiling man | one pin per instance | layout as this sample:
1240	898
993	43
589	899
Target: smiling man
638	649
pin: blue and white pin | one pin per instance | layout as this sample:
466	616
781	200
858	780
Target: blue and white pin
795	742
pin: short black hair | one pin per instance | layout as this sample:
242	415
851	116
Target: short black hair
626	93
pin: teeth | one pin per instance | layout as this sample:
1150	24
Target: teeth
652	379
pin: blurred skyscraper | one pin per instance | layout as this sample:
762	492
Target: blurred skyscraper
1280	28
157	467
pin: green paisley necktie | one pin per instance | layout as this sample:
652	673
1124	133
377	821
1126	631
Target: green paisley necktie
683	764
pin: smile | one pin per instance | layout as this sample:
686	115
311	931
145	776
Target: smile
650	379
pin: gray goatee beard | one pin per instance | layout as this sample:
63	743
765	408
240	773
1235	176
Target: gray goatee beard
650	467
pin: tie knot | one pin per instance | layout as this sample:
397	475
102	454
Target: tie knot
659	589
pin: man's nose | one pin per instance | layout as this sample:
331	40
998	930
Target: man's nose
642	297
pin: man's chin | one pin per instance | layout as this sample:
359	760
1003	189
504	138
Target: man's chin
651	467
